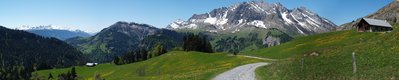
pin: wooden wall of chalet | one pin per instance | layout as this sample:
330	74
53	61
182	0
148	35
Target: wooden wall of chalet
363	26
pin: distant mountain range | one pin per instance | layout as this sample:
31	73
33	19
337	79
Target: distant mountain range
389	12
252	25
54	31
260	15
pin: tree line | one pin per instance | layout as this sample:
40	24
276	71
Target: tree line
139	55
197	42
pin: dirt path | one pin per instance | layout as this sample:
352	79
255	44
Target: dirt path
258	58
244	72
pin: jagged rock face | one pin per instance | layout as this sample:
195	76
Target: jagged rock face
257	14
389	12
271	41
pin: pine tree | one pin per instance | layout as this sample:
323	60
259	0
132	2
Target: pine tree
144	53
117	60
159	49
73	73
50	76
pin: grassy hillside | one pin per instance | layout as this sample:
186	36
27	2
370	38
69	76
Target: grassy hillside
176	65
376	53
312	43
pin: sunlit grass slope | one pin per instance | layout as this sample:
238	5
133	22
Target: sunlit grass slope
175	65
377	57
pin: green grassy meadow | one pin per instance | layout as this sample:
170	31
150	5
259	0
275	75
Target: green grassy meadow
377	57
175	65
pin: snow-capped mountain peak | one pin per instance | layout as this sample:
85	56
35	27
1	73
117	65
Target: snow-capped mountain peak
48	27
59	32
177	23
257	14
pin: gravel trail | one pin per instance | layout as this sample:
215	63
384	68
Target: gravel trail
244	72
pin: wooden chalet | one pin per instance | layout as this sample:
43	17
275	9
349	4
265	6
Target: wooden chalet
373	25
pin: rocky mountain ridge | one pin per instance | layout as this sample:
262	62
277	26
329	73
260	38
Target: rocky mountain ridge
262	15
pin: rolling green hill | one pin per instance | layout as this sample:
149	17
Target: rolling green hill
175	65
329	56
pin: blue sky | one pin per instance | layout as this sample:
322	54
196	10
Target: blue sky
94	15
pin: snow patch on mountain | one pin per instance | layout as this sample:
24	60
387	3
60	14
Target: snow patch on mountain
329	22
174	25
256	7
258	23
284	15
223	21
236	30
210	19
212	31
299	30
215	20
310	18
241	21
311	22
192	26
299	22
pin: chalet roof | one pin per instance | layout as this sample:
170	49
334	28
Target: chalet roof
376	22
